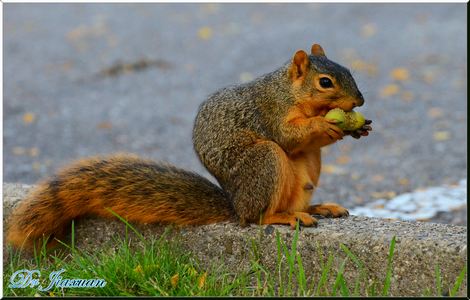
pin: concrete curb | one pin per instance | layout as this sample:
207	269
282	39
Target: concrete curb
419	246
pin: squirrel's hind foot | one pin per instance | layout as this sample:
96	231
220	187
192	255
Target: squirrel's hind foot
328	210
290	219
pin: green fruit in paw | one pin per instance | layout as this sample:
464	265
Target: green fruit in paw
349	121
337	114
357	120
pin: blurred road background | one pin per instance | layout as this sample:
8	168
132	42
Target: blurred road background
86	79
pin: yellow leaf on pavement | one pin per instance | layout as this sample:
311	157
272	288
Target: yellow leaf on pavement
343	159
205	33
441	136
368	30
403	181
384	194
378	178
363	66
435	112
332	169
389	90
400	74
29	118
33	152
18	150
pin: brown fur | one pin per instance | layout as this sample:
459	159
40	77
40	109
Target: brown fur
261	140
136	189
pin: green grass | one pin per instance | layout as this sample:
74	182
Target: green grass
160	267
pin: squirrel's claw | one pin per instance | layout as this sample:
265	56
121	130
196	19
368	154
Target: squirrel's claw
354	134
363	131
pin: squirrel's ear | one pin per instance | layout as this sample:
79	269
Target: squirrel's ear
300	64
317	50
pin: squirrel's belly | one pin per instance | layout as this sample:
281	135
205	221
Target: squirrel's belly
306	172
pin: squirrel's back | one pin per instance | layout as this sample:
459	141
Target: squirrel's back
242	107
134	188
238	116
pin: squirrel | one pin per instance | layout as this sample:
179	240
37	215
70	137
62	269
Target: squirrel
261	140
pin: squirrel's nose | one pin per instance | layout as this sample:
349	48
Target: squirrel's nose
360	99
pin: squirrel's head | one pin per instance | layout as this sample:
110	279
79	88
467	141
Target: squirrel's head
322	83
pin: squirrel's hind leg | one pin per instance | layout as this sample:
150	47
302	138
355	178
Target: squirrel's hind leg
264	187
259	181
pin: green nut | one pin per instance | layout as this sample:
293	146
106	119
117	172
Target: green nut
349	121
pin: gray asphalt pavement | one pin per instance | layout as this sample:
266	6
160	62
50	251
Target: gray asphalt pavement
86	79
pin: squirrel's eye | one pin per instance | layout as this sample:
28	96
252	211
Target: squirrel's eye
326	82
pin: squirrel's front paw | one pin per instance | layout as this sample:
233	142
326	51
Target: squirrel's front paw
327	129
363	131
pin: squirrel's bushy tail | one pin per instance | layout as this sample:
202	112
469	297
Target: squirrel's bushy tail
138	190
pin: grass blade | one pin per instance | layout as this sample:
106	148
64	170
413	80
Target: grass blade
352	256
324	275
438	280
388	276
279	263
73	235
301	276
339	277
343	287
360	265
291	256
127	223
459	281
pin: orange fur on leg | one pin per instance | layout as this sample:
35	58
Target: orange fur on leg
290	219
329	210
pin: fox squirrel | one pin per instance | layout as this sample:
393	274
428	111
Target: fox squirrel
261	140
